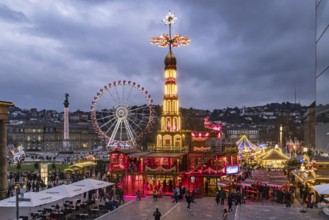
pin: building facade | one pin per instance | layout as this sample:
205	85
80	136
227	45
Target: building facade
322	76
309	127
48	136
234	133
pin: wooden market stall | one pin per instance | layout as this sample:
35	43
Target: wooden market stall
274	158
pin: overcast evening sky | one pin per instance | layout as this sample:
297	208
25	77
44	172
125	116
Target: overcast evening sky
242	52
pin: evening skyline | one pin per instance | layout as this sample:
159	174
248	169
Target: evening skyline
242	53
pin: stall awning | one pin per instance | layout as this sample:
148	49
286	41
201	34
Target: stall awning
276	184
35	199
224	182
247	183
138	154
321	189
164	155
83	164
91	184
65	190
90	157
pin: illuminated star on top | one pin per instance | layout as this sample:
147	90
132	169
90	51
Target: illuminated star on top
165	40
170	18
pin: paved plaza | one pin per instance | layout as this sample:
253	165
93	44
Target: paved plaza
143	210
257	212
206	208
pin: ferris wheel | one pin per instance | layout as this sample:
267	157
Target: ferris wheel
122	112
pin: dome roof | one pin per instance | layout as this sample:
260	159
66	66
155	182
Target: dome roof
170	59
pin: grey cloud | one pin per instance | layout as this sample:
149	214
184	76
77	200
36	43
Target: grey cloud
10	15
242	53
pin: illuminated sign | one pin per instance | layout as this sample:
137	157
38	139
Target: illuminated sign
232	169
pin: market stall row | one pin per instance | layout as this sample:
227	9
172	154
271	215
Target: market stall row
54	199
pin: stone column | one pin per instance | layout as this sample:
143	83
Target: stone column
3	148
3	160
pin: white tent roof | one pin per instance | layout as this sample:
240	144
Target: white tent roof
66	190
322	188
36	199
91	184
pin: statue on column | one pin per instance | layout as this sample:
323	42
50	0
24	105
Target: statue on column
66	101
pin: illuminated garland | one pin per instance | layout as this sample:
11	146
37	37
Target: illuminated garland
147	168
182	148
210	170
244	142
202	148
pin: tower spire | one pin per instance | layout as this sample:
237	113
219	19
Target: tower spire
169	19
170	137
165	40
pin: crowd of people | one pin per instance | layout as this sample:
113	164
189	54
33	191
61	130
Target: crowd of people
307	196
30	180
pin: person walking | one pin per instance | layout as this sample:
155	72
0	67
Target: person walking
121	198
176	196
188	200
238	198
243	195
157	214
193	196
222	196
225	215
230	201
217	197
155	195
309	199
138	194
312	200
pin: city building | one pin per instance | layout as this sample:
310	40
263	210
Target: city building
234	133
322	76
48	136
309	127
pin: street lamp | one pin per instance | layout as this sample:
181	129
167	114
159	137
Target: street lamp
19	199
281	129
17	188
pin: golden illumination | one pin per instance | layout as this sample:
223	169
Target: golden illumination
170	116
170	18
170	74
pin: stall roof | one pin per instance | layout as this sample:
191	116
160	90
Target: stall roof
36	199
138	154
277	184
83	164
91	184
274	154
165	154
247	182
65	190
